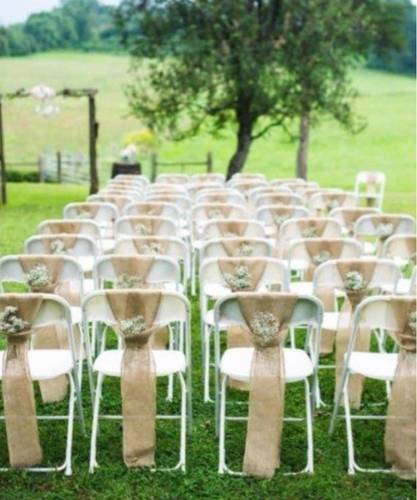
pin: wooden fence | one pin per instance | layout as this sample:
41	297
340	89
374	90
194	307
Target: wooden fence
62	167
156	164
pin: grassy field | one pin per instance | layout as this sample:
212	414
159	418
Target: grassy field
387	144
387	102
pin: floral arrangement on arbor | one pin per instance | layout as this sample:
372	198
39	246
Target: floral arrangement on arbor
139	142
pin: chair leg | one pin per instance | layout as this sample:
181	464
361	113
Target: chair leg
183	431
70	428
193	272
96	414
78	399
309	425
206	364
170	387
349	434
222	427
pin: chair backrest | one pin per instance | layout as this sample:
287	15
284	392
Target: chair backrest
299	257
120	201
254	229
172	178
400	247
182	202
144	208
215	248
276	272
54	226
299	187
367	225
386	274
12	270
278	199
131	193
247	176
203	212
209	176
106	213
163	269
256	192
348	215
224	195
246	185
193	188
325	202
265	213
168	188
170	247
128	224
84	246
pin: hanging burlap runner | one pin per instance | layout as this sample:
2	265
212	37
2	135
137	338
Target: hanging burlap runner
53	243
138	380
89	210
400	426
331	201
311	227
149	225
150	209
217	210
315	247
137	270
119	201
384	219
18	395
53	335
232	228
344	327
351	215
150	245
266	313
237	247
63	226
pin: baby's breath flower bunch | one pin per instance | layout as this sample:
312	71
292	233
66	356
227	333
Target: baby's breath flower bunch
142	230
240	279
321	257
310	232
265	327
126	281
412	321
279	219
244	250
83	214
152	248
10	322
383	230
38	276
58	247
132	327
354	281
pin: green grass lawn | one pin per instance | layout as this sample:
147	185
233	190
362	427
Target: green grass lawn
29	204
386	101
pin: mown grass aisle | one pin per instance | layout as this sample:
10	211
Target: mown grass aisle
29	205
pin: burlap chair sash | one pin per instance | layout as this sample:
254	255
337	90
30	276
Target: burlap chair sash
17	388
150	245
387	225
266	317
54	335
330	201
400	426
64	226
150	209
135	313
344	327
144	226
320	250
59	243
86	210
351	215
217	210
232	228
237	247
119	201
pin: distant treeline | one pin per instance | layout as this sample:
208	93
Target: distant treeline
87	25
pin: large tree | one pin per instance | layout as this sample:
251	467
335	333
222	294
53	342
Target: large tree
252	64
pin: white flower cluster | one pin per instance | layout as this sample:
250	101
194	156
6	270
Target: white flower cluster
58	247
126	281
321	257
383	231
214	213
10	322
83	214
354	281
310	232
128	154
244	250
279	219
412	321
131	327
265	327
152	248
142	230
240	279
38	276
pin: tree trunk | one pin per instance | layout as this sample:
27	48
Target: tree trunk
302	151
244	140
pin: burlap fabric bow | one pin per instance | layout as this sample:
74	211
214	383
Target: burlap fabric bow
400	426
357	278
135	312
132	273
266	317
17	313
53	335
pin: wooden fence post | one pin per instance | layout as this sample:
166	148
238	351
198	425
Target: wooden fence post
2	159
93	133
58	167
209	162
154	166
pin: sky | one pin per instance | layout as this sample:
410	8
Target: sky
17	11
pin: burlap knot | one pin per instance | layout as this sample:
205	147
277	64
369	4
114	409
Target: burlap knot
17	388
135	312
266	317
344	327
400	425
132	273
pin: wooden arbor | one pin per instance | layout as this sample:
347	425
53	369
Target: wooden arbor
92	133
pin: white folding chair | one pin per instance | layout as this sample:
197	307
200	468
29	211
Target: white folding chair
173	309
59	226
266	215
120	201
299	366
370	186
256	192
126	226
213	286
104	214
379	366
46	364
348	216
136	195
239	176
324	203
162	209
131	179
